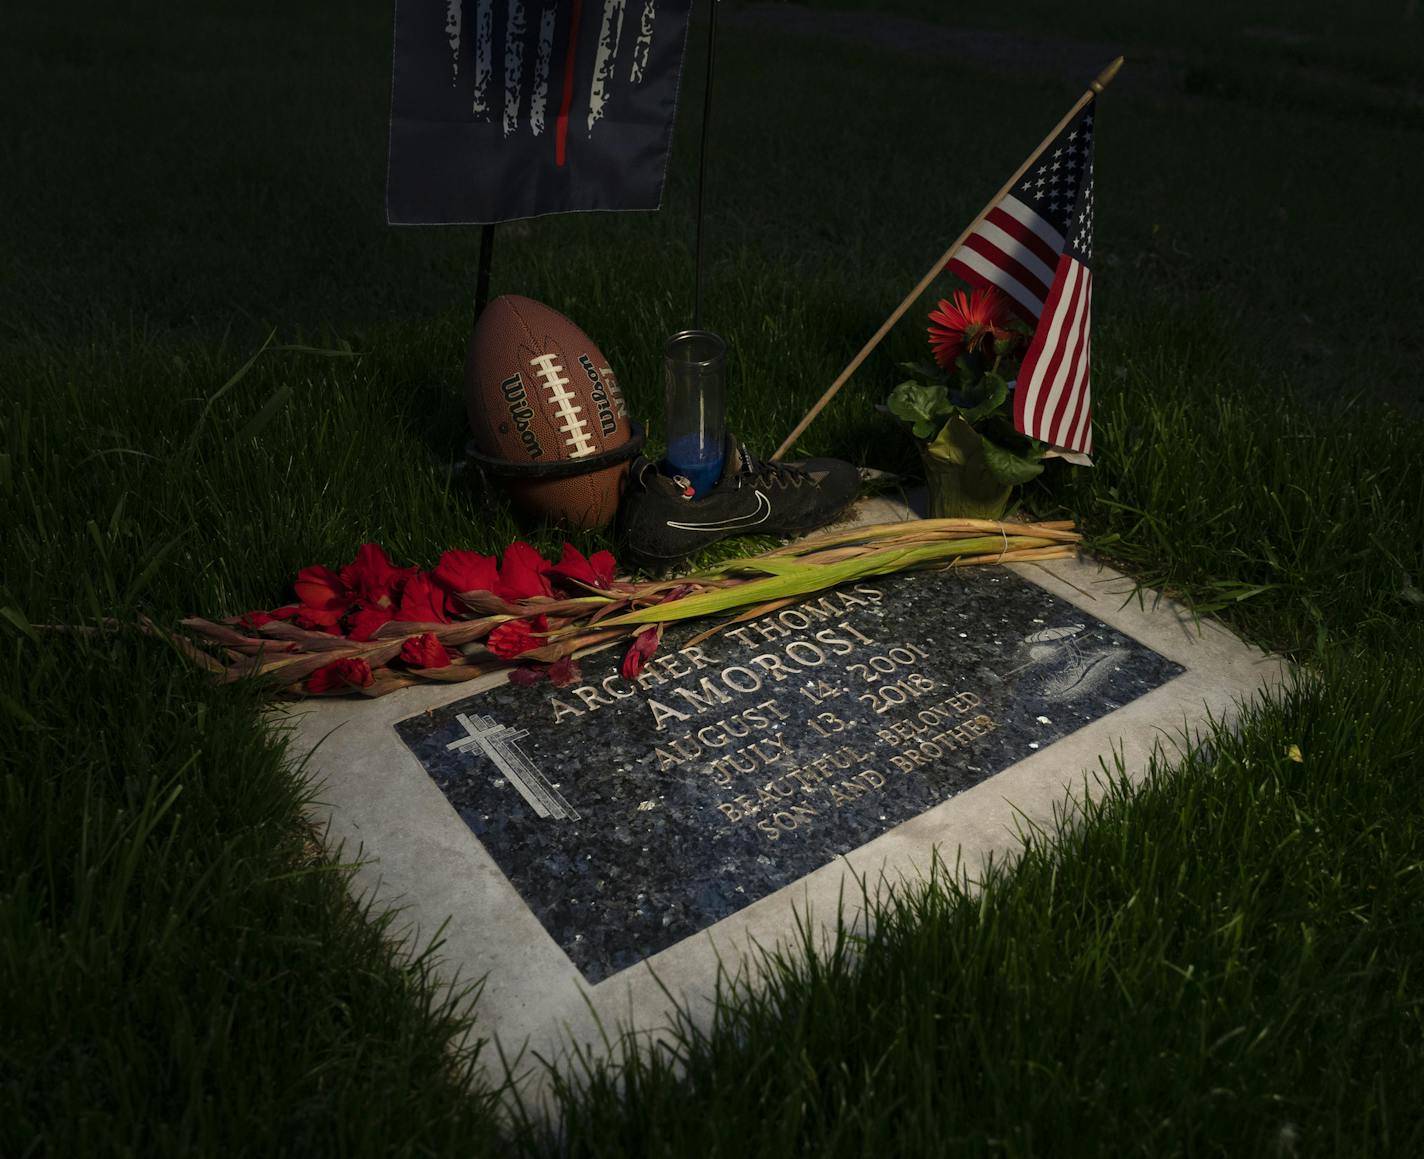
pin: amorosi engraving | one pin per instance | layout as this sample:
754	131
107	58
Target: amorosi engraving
801	646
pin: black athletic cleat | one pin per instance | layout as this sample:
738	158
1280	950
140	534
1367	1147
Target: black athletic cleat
663	524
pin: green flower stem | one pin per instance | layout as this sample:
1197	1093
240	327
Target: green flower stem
795	578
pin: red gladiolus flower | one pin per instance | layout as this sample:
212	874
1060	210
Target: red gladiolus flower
361	625
563	672
373	579
326	620
422	602
255	620
522	573
339	675
466	571
641	651
515	637
425	652
323	592
596	571
967	323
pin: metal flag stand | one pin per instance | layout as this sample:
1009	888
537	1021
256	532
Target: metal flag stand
694	361
482	276
702	164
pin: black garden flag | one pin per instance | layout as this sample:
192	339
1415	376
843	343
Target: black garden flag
515	108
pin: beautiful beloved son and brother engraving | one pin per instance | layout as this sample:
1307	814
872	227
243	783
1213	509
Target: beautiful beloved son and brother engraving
631	814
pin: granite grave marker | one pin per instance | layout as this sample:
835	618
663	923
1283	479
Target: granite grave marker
631	814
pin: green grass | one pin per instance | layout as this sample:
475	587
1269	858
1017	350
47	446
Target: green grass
182	973
1225	960
1299	526
1221	961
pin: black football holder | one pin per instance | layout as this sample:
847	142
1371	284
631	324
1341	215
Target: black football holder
561	468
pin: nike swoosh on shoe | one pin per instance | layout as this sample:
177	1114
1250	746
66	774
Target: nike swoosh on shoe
736	522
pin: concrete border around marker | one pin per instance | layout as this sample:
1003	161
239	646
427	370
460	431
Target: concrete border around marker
376	804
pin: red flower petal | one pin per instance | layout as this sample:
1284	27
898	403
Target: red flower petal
964	321
422	602
255	619
563	672
353	672
515	637
425	652
466	571
320	587
373	579
527	674
641	651
319	619
574	567
522	573
603	566
362	623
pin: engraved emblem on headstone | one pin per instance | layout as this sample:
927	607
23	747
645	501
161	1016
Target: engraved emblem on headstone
1072	668
499	743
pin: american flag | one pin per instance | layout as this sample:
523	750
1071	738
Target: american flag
1036	245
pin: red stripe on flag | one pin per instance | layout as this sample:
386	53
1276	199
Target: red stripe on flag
1076	420
1062	320
1079	431
1016	229
1016	270
561	123
1080	434
1027	400
980	281
1075	365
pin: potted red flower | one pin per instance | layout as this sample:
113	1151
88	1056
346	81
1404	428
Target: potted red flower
959	408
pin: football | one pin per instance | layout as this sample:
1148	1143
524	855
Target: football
547	418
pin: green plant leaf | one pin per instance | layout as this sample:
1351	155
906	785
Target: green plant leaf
991	393
944	446
919	405
1007	467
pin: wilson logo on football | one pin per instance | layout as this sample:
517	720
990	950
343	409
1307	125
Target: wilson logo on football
521	413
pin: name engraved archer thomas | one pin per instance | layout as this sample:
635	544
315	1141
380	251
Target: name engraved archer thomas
876	717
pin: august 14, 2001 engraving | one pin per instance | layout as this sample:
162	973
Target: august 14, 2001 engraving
630	814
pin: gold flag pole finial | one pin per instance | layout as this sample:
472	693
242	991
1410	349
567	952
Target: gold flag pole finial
1098	83
1104	78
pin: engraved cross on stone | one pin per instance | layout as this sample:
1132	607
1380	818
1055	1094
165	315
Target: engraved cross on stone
498	742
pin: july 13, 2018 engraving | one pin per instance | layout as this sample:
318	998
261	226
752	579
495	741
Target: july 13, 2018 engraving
630	814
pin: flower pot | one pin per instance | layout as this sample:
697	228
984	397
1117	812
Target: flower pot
961	486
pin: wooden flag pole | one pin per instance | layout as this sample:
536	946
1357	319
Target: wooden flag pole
1100	82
